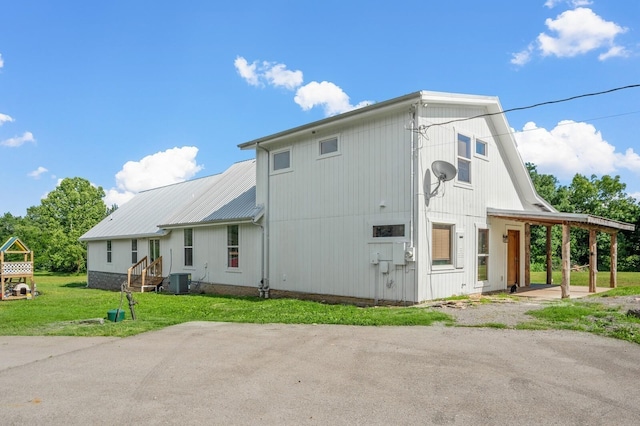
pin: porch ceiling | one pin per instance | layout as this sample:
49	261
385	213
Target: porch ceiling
558	218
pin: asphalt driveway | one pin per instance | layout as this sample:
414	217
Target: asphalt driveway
221	373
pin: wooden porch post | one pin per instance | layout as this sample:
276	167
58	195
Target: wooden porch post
527	254
613	274
593	260
566	261
549	261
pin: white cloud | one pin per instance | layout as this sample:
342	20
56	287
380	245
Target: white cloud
578	31
575	32
1	61
37	172
18	140
635	195
325	94
522	57
246	71
159	169
4	118
571	148
574	3
278	75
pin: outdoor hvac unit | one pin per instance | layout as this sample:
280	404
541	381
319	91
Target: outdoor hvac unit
179	283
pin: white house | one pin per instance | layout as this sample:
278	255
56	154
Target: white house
420	197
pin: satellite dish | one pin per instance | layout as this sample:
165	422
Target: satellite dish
444	172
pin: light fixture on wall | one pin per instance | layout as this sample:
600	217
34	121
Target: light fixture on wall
505	238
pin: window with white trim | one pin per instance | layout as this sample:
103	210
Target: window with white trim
154	249
464	158
328	146
481	148
442	244
188	247
386	231
108	251
134	251
483	254
281	160
233	247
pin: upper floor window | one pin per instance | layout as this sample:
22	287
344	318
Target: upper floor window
464	158
329	146
481	148
108	251
188	247
281	160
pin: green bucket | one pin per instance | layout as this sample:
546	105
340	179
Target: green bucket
111	315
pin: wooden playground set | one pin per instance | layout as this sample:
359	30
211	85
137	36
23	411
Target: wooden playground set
16	270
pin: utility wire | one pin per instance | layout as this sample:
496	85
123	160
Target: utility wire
631	86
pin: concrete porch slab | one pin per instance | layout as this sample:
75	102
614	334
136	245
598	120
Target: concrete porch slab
553	291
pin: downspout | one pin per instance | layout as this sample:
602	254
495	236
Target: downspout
414	206
263	287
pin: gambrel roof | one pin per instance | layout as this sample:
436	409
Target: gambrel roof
225	197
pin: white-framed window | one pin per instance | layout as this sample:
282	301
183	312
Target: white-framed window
483	255
281	160
328	147
154	249
188	247
481	148
134	251
442	244
108	251
233	247
464	158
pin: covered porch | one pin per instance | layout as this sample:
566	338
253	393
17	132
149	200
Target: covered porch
593	224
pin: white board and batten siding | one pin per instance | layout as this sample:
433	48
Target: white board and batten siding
322	211
463	205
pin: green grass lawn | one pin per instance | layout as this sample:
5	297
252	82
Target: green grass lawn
64	300
582	278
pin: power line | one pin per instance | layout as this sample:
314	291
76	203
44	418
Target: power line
489	114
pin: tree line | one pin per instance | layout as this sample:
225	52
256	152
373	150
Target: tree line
52	228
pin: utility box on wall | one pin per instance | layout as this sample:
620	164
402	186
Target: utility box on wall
179	283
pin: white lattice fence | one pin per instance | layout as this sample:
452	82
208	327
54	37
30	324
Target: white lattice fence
17	268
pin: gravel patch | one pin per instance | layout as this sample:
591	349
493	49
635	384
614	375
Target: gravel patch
488	310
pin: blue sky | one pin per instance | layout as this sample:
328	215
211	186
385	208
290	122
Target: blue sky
136	94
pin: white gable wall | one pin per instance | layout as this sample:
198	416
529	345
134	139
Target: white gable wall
463	205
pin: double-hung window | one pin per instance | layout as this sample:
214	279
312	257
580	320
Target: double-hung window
464	158
134	251
188	247
233	247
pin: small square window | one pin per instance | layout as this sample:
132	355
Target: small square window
281	160
481	148
328	146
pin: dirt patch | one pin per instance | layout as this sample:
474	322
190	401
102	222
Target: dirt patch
509	312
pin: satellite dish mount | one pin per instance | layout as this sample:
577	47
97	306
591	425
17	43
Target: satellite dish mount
444	172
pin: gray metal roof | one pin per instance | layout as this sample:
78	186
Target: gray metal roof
228	196
558	218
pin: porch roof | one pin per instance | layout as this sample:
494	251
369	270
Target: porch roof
558	218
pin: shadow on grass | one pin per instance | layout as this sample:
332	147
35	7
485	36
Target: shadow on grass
75	285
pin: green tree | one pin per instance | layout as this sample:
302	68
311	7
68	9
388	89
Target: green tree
63	216
8	225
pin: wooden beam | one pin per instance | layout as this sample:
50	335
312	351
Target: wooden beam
593	260
527	255
613	275
566	261
549	257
